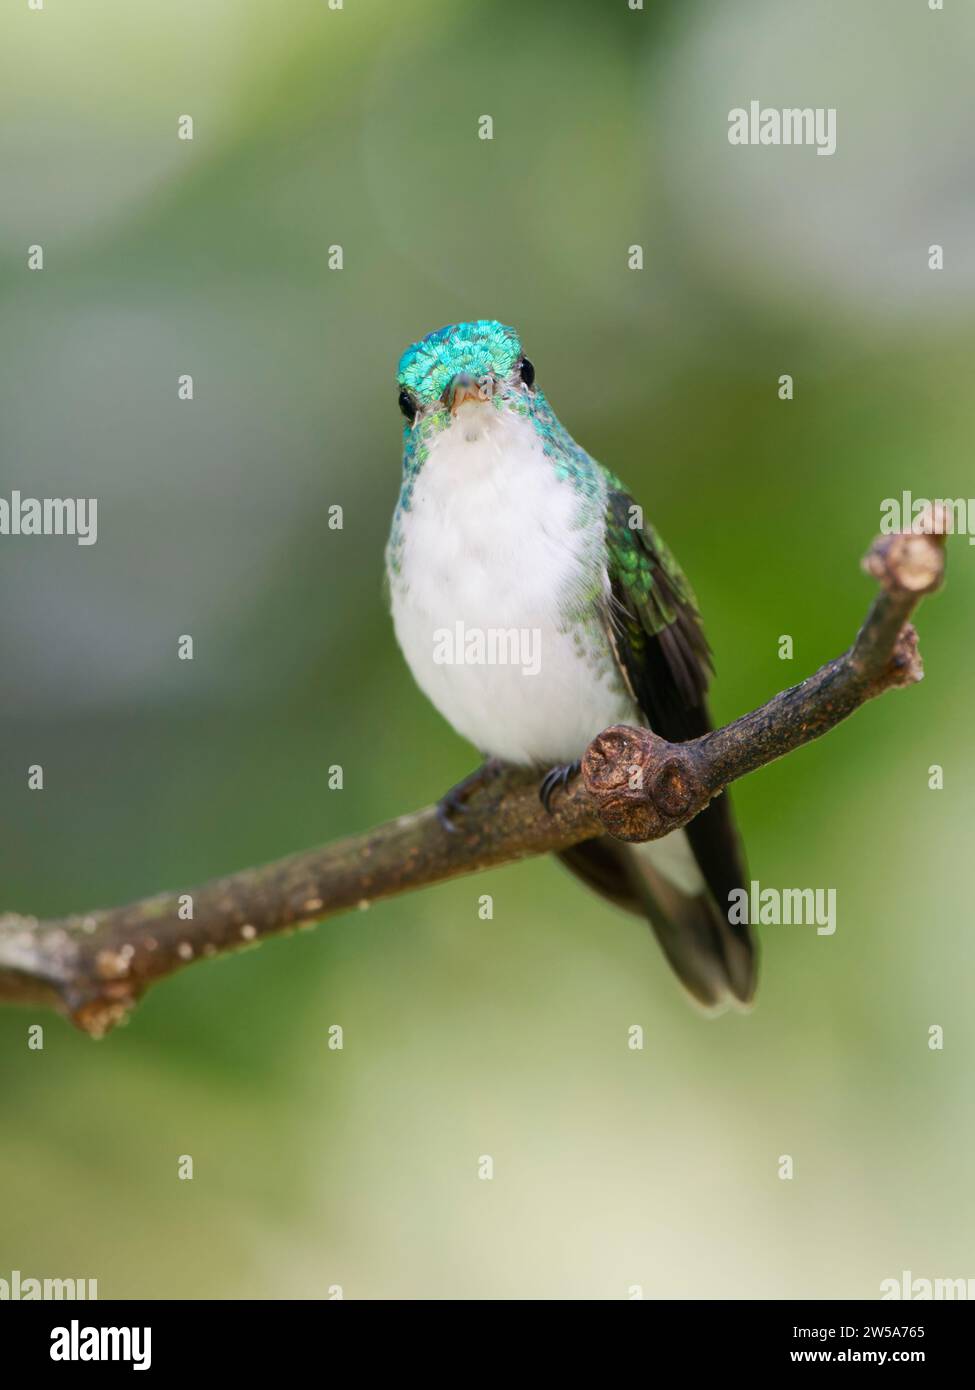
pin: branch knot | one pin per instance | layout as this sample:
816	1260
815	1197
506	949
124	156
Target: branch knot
643	787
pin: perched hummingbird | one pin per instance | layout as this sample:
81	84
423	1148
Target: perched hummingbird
505	525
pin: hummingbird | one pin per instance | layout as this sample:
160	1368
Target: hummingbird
506	528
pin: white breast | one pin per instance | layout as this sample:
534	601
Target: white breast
494	543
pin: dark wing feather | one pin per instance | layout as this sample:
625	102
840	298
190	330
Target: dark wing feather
656	630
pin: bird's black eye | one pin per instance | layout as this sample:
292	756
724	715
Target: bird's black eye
527	371
407	405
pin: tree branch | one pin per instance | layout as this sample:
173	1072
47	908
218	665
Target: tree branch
95	967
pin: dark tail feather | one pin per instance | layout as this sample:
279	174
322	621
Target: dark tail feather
715	961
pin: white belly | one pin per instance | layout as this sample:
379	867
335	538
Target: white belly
493	555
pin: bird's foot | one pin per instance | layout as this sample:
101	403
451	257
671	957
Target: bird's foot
558	776
454	802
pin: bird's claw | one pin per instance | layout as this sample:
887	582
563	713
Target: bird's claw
454	802
447	807
558	776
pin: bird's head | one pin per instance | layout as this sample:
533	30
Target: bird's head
462	371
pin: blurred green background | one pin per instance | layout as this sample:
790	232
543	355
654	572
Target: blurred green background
358	127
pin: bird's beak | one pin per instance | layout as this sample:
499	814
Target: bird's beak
466	388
